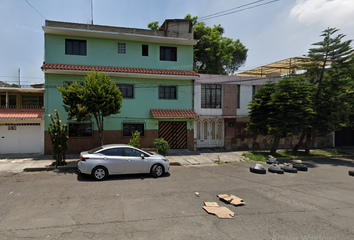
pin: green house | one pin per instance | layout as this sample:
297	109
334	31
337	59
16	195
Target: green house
152	68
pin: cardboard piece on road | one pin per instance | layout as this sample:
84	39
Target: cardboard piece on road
232	199
220	212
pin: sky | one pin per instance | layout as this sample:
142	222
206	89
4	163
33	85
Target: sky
271	32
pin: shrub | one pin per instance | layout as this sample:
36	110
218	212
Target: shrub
59	138
162	146
135	141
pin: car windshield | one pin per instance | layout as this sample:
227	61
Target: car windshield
94	150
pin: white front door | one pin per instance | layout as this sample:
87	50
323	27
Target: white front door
209	132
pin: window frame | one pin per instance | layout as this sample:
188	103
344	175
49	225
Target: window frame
72	50
145	50
173	53
124	86
121	48
215	101
88	124
164	87
132	130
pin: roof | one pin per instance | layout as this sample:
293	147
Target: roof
109	69
21	113
166	113
122	33
278	68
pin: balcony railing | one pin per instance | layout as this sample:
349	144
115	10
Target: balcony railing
26	106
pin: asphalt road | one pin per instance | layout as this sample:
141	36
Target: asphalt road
318	204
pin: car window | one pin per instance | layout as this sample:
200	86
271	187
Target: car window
94	150
131	152
112	152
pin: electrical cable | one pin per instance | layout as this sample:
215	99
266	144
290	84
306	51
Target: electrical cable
35	9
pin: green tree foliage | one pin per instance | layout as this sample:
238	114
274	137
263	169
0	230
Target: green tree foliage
328	70
281	109
214	54
154	25
58	137
98	98
135	141
162	146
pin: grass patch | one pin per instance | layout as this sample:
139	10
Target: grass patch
263	156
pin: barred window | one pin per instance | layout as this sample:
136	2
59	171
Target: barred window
80	129
129	129
121	48
126	90
167	92
211	96
75	47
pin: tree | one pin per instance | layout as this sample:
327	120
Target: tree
327	70
281	109
214	54
57	134
154	25
98	98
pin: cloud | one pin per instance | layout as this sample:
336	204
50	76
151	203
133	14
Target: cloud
330	13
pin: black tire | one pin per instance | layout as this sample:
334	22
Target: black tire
351	173
157	170
294	170
259	171
99	173
276	171
268	162
300	167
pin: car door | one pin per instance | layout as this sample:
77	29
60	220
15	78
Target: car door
114	160
135	163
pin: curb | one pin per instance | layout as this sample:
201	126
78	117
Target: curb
38	169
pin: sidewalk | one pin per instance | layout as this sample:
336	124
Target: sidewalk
177	157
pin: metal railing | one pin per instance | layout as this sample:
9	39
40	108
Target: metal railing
26	106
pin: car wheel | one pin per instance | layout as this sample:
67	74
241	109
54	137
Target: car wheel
157	170
300	167
271	162
259	171
99	173
351	173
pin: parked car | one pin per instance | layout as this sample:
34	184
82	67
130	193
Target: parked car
114	159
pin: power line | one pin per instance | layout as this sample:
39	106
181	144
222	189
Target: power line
232	9
207	18
35	9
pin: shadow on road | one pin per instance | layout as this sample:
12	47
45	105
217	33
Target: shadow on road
87	178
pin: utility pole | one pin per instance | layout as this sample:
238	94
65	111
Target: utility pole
19	77
91	13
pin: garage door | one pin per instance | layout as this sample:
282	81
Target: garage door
175	133
21	138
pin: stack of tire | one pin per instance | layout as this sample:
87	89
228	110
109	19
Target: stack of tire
275	168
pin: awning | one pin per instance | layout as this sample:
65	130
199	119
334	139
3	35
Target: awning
20	114
166	113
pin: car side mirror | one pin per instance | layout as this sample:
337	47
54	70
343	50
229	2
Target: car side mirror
142	156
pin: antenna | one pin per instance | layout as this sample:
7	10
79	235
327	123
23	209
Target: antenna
91	13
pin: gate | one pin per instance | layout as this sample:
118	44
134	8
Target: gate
175	133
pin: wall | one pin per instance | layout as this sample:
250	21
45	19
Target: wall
104	52
245	98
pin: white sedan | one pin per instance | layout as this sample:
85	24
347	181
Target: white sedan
114	159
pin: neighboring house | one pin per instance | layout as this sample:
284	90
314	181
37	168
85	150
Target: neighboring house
152	68
222	105
21	120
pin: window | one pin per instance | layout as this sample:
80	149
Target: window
126	90
32	101
75	47
145	50
121	48
112	152
129	129
211	96
238	95
12	101
168	53
80	129
131	152
167	92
